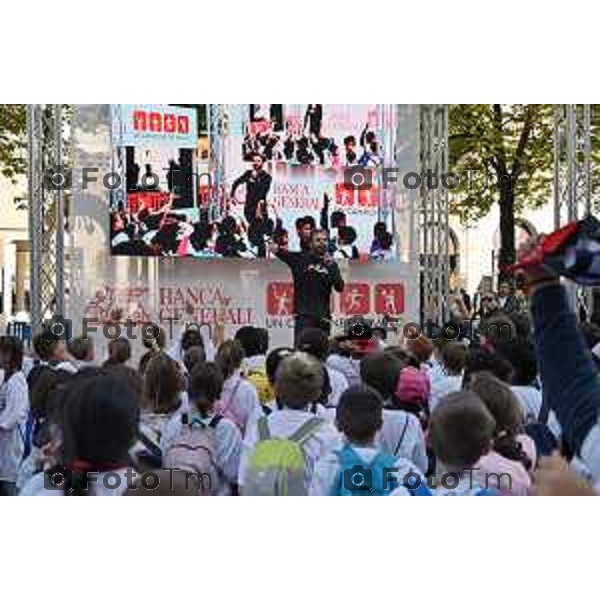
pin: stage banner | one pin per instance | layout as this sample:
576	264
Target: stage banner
178	291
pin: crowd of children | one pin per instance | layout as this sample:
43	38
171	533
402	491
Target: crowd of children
514	416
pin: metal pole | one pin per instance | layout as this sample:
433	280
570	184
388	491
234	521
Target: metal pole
34	133
60	217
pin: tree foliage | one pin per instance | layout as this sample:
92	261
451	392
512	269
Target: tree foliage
503	153
12	140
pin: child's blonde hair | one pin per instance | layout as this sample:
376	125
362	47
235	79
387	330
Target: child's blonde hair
299	381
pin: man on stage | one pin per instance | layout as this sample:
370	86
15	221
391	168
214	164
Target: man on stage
315	275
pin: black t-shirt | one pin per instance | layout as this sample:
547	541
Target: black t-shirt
314	281
258	186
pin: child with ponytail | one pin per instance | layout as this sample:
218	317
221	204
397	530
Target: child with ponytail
513	455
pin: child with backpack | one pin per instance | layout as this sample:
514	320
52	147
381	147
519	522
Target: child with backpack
360	467
239	400
14	410
401	434
202	441
163	397
280	450
461	432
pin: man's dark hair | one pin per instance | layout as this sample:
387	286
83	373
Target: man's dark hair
45	343
381	372
251	341
191	338
80	348
360	414
314	342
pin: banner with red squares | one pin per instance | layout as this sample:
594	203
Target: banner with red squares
357	299
155	124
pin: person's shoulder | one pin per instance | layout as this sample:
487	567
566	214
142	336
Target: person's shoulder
336	375
226	427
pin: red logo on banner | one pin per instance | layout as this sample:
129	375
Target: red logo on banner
183	125
356	299
170	124
140	120
364	199
155	122
280	299
389	299
259	127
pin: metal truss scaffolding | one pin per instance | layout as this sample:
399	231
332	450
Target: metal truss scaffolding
573	175
572	162
46	212
434	226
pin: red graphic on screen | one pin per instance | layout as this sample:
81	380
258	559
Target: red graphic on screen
170	124
155	122
280	299
183	125
389	299
356	299
140	120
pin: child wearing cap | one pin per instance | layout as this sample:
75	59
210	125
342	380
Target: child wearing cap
412	394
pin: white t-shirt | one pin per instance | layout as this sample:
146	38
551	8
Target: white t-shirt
14	409
402	436
327	471
339	384
443	385
242	399
282	425
348	367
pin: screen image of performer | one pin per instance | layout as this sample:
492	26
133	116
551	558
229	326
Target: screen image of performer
313	121
316	275
256	212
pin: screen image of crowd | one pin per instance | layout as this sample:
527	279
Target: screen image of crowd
334	415
172	210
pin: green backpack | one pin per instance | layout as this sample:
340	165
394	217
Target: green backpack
277	467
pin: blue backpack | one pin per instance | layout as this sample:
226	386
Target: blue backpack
357	478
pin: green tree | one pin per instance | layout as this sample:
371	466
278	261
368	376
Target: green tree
12	140
503	153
